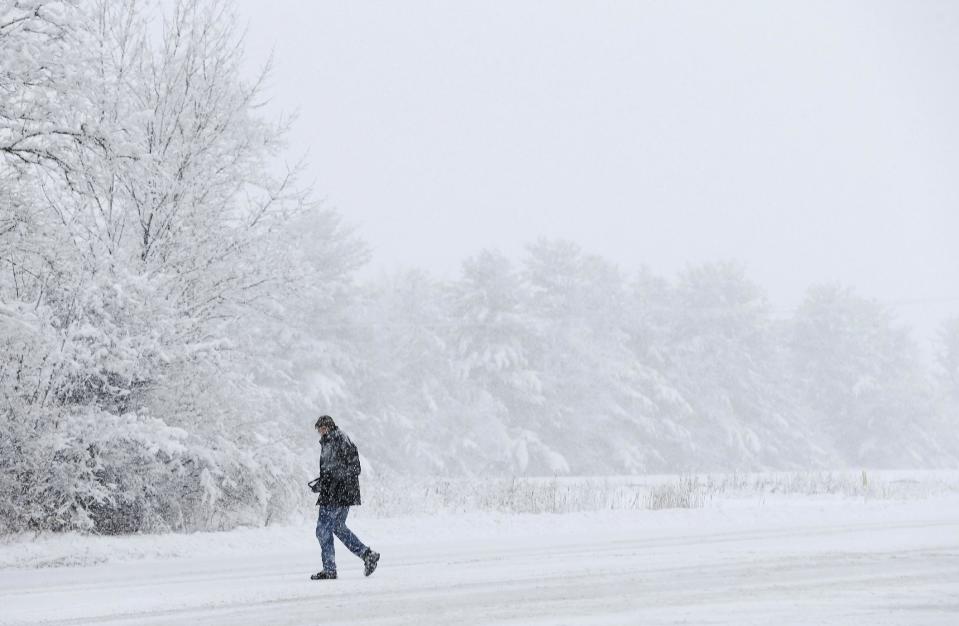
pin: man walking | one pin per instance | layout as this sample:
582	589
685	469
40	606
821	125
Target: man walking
339	488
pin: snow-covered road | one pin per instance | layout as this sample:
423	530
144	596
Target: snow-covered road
784	563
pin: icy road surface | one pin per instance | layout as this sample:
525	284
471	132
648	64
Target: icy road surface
811	562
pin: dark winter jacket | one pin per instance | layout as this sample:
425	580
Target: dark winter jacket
339	482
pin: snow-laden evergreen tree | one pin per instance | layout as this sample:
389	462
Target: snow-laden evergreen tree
722	355
601	398
662	415
489	344
406	392
947	414
860	373
948	357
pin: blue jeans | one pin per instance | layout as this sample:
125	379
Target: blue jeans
332	521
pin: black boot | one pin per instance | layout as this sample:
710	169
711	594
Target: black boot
370	559
324	575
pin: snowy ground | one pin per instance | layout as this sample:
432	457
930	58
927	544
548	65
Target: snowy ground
779	560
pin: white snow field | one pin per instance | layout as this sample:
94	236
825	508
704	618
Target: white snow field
773	559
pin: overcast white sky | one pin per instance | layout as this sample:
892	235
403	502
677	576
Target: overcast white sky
813	141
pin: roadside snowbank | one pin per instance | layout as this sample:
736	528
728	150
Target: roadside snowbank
719	514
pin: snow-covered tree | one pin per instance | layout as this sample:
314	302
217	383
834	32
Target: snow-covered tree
599	393
406	394
722	355
489	334
43	56
148	226
860	373
947	358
